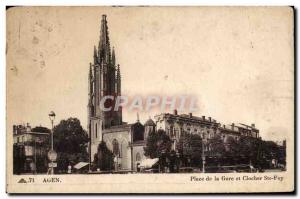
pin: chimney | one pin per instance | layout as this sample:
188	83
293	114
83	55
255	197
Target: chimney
224	126
203	117
232	125
191	115
14	129
209	118
175	112
253	125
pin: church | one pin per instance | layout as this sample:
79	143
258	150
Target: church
126	141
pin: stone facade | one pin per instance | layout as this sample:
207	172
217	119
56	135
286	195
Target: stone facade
30	149
176	125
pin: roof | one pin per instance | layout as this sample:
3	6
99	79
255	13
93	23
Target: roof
148	163
80	165
149	122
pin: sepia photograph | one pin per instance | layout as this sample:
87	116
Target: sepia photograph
150	99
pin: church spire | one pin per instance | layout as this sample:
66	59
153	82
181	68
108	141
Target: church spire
118	80
90	87
95	55
118	72
104	45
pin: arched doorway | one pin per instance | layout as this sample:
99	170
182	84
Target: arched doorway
116	153
116	149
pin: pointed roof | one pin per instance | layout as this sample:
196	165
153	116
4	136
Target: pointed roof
149	122
104	45
118	72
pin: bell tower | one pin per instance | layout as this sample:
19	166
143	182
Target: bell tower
104	79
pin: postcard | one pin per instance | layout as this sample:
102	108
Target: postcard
150	99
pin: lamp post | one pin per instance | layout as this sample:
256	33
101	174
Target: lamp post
52	154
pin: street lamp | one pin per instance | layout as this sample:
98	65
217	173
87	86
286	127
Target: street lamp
52	154
52	117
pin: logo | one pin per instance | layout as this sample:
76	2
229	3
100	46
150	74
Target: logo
22	180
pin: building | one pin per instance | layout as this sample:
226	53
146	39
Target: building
177	125
30	149
125	140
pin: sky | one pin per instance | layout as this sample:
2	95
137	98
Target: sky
238	62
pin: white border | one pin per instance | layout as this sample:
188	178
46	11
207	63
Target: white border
4	3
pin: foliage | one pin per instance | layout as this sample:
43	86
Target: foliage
41	129
190	148
103	159
259	152
217	146
233	147
158	143
70	143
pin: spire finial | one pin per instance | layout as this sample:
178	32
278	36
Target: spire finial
137	117
104	45
118	72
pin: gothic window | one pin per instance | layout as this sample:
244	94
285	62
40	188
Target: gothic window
138	157
171	131
116	150
138	131
96	130
121	150
104	80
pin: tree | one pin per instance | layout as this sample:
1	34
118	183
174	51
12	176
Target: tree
70	143
19	159
233	154
216	146
104	158
40	129
158	143
190	148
